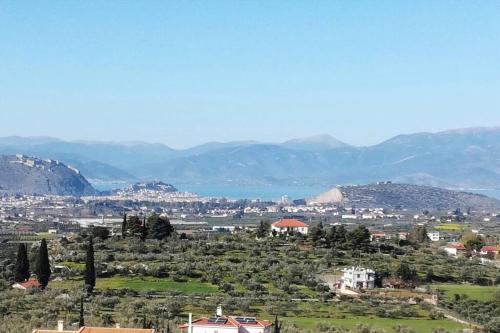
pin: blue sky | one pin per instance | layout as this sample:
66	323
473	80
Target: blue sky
188	72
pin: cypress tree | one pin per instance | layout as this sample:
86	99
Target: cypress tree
22	270
277	325
90	267
263	229
81	322
134	226
124	226
43	265
144	230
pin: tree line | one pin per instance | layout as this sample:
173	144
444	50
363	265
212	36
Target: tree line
22	272
42	269
154	227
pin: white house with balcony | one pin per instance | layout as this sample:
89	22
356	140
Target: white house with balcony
358	278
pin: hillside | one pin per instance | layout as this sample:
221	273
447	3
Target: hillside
390	195
21	174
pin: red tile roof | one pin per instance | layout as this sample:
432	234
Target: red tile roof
489	248
289	223
86	329
458	246
114	330
29	283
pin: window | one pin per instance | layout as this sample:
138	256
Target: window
359	275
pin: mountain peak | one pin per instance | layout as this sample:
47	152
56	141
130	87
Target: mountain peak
316	142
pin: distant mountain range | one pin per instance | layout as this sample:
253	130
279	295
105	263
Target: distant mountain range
466	158
27	175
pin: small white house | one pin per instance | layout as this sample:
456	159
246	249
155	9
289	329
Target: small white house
434	236
226	324
358	278
284	226
454	249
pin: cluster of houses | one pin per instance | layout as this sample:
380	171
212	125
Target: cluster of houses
378	235
219	323
457	249
433	236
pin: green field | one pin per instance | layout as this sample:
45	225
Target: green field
143	284
308	315
418	325
472	291
449	226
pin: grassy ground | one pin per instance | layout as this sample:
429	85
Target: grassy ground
142	284
418	325
73	265
157	284
472	291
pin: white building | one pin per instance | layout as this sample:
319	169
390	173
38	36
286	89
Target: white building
284	226
433	236
226	228
358	278
226	324
454	249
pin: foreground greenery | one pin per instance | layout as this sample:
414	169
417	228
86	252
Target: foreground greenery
152	279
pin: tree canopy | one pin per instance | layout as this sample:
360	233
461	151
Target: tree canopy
263	229
43	271
22	269
359	238
419	235
89	274
159	227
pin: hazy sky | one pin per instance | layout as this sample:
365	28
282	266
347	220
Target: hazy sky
182	72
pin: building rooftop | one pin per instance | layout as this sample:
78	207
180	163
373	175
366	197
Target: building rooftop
458	246
27	284
228	321
289	223
86	329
